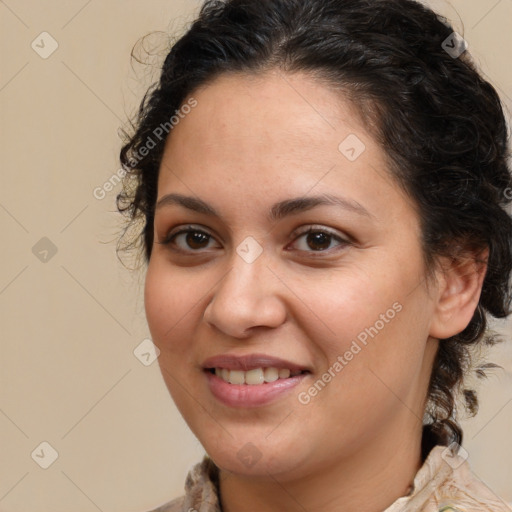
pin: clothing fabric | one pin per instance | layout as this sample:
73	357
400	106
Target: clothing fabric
444	483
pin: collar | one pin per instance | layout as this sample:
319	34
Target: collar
444	483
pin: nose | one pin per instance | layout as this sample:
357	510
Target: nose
247	297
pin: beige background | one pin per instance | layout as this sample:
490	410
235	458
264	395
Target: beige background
69	326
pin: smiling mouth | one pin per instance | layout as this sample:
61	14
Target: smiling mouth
256	376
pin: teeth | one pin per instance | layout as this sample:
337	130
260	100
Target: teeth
284	373
254	377
237	377
271	374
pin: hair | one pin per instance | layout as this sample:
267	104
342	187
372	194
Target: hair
441	125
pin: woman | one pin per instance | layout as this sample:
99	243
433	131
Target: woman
322	186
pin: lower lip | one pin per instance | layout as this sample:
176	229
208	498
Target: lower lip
247	395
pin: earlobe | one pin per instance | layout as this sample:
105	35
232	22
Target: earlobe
459	288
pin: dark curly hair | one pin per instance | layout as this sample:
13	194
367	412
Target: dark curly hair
440	123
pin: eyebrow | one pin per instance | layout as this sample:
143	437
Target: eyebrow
277	212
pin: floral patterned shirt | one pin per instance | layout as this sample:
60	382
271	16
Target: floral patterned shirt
444	483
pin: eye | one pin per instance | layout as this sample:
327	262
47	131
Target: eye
191	238
319	240
314	239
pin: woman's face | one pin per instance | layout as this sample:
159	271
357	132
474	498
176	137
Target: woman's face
275	156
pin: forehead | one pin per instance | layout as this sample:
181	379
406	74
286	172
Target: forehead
266	119
271	107
261	138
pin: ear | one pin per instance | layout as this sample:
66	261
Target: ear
459	287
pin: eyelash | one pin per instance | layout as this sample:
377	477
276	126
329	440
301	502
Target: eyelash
169	239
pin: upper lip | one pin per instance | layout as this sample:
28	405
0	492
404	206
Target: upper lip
250	362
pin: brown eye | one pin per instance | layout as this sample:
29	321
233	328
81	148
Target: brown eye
196	239
319	240
190	239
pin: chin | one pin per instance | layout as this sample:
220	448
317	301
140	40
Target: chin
244	456
257	465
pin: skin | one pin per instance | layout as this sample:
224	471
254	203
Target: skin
250	143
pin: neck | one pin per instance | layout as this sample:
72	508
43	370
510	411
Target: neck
369	480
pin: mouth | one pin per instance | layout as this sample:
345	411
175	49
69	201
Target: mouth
255	376
251	380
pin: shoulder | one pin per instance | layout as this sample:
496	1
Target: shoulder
201	490
455	488
175	505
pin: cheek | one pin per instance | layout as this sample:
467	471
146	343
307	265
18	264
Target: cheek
372	320
170	305
345	306
172	313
